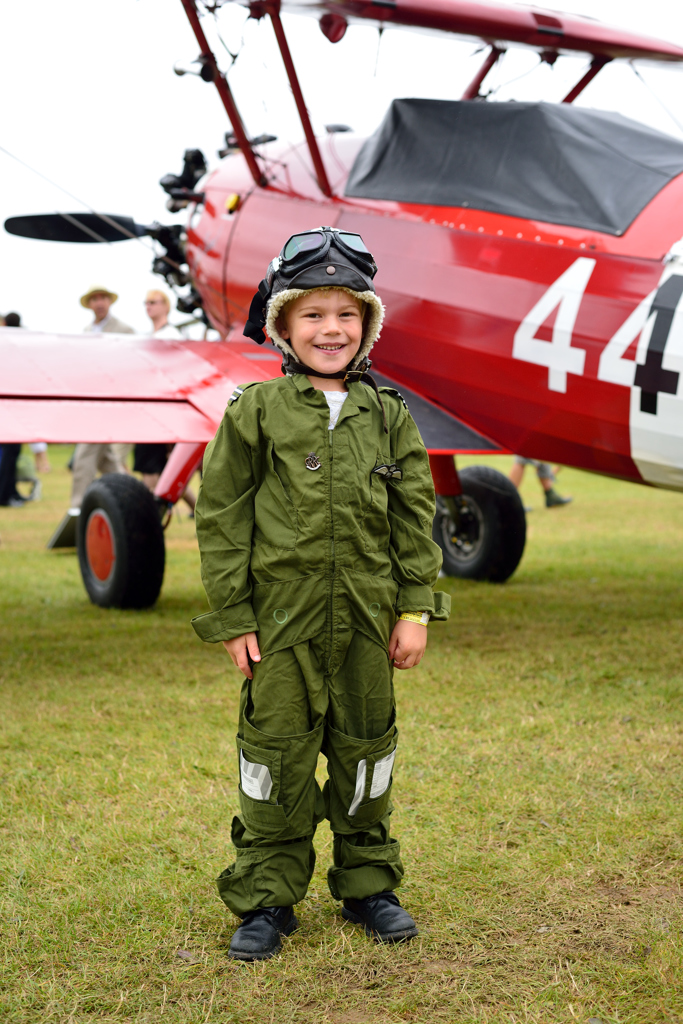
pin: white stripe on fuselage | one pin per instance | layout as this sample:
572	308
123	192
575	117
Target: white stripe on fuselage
657	436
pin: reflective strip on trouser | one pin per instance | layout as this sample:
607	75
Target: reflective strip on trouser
255	779
381	780
358	805
288	713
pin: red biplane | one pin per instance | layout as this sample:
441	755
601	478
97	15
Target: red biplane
529	261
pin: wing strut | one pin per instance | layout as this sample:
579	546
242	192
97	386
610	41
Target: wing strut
472	90
320	172
597	64
225	93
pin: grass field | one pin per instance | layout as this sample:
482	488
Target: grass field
538	793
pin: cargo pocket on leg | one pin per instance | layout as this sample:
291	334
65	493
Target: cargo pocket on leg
279	796
360	774
259	790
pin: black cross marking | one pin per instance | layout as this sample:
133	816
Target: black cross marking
650	376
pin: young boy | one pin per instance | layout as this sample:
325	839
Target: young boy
314	521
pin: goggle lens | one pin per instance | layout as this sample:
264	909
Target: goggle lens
354	242
297	244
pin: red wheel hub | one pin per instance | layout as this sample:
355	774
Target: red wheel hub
99	545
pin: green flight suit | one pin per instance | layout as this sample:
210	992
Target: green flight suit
320	561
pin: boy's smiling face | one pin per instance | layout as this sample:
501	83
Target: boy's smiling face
325	329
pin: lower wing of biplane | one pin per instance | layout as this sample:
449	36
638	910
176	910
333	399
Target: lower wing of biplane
103	388
106	387
121	388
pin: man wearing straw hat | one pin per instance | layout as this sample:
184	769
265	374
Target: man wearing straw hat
88	459
100	301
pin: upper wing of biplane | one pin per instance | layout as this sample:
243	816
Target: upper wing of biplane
108	387
489	23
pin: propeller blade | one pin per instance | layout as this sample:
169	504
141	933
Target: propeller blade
75	227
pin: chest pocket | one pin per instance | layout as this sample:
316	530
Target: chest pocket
275	515
375	517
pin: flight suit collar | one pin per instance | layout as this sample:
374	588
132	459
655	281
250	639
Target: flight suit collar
360	396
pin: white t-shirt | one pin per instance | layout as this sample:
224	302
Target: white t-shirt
167	331
335	400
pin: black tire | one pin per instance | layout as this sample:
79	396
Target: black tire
120	543
488	541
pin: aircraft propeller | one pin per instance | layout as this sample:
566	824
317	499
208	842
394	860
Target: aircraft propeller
76	227
95	227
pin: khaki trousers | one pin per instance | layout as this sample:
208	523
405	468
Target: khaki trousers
89	459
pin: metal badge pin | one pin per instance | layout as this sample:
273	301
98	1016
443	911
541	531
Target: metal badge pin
312	461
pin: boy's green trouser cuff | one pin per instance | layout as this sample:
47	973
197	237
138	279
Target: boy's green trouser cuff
279	876
362	871
267	876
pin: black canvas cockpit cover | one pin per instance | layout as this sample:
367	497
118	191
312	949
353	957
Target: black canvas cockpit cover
541	161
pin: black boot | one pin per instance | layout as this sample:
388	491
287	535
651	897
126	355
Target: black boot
384	918
258	936
554	500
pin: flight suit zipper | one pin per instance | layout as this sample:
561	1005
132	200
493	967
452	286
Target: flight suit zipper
331	433
330	619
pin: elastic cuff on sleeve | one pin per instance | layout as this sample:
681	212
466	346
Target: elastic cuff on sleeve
437	604
226	623
442	606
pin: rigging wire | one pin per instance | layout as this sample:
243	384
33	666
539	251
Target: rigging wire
294	148
102	216
659	100
510	81
212	9
380	34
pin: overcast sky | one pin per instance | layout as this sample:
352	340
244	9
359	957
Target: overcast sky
91	102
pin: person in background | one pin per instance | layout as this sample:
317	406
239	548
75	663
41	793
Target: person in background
9	453
9	495
100	300
88	459
546	478
39	448
158	307
150	459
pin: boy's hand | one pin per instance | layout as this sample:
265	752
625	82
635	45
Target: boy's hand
407	644
241	648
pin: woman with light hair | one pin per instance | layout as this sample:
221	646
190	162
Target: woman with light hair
150	459
158	306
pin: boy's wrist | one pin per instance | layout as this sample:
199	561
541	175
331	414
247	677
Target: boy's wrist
421	617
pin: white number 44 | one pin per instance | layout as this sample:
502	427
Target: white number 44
558	354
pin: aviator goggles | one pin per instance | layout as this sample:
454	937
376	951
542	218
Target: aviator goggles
310	247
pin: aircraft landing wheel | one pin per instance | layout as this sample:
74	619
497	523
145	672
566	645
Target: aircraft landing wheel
487	540
120	543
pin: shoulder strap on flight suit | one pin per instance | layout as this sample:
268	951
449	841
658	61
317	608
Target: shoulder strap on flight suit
241	388
397	394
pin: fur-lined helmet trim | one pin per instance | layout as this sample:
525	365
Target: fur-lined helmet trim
373	317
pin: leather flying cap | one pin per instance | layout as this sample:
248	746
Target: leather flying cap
336	270
325	263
